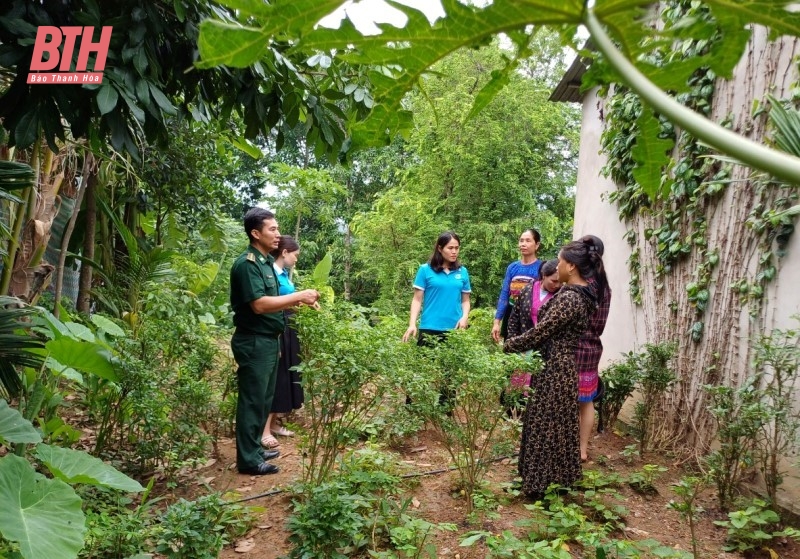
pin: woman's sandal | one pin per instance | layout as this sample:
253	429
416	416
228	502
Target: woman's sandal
268	441
282	432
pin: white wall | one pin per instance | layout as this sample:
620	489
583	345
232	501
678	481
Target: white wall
626	329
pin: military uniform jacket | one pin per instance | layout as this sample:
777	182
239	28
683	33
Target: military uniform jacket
253	277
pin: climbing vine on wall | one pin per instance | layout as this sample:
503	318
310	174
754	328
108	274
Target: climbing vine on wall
678	217
706	246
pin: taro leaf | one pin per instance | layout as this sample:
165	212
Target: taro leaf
82	356
42	515
80	332
107	325
75	466
14	428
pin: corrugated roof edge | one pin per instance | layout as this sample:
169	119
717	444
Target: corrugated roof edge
568	89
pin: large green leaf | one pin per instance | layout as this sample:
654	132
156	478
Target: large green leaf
42	515
231	44
17	347
108	326
107	97
14	428
82	356
15	175
322	270
75	466
650	153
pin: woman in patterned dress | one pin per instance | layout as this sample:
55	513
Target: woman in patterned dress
524	316
549	450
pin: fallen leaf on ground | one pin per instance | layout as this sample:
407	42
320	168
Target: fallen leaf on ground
415	503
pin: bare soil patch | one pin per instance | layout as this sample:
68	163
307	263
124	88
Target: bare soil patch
436	500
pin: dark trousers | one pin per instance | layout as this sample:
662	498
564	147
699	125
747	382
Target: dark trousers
257	357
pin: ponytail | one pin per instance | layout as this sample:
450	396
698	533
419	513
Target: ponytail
596	249
587	255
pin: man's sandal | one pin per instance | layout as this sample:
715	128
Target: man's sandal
269	441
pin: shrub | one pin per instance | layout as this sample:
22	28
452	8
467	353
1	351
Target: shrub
620	380
199	529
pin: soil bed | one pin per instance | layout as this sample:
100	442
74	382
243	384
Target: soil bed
436	500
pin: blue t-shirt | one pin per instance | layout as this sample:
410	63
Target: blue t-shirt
518	275
285	285
441	303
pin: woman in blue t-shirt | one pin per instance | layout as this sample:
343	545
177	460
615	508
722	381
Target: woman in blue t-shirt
518	274
441	292
288	390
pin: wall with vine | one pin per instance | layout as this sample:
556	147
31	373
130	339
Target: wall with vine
708	257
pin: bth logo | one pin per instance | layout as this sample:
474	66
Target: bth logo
50	38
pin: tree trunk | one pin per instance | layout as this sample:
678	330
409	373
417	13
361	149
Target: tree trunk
85	280
88	168
348	245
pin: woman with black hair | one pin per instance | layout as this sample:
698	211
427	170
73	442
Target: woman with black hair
590	349
549	450
441	292
524	316
519	273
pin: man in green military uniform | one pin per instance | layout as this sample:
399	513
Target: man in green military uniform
258	317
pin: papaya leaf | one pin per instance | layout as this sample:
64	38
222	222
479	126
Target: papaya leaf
75	466
42	515
650	153
231	44
14	428
780	16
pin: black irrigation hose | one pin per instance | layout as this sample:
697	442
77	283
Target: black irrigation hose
404	476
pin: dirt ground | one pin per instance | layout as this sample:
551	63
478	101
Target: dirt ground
649	516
